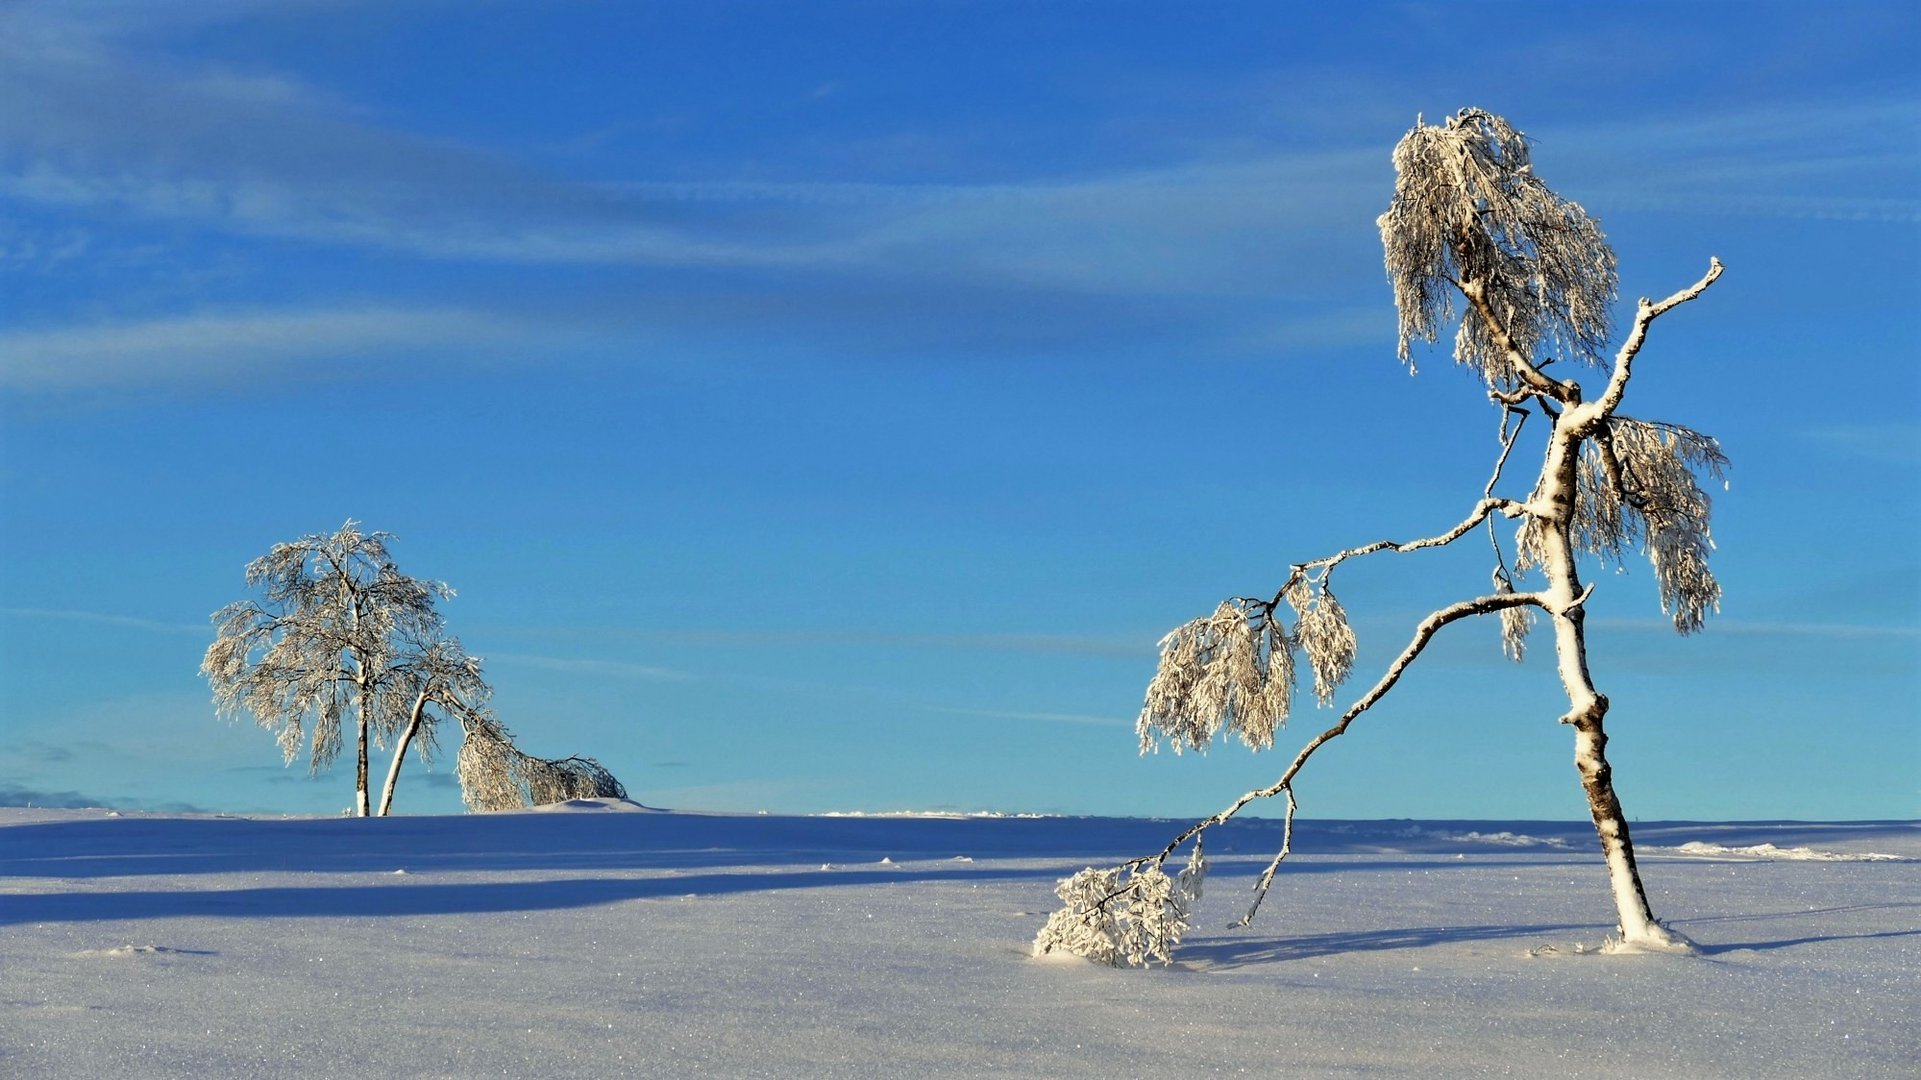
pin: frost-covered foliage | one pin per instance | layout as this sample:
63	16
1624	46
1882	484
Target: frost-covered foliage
1653	493
1128	916
495	774
1321	627
322	644
1468	213
1234	668
1516	621
1637	484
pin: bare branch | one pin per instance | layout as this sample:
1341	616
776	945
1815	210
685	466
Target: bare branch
1507	444
1480	513
1644	315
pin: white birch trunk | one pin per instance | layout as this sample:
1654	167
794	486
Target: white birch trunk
361	721
363	705
400	754
1553	509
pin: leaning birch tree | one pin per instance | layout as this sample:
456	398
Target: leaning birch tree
436	677
1471	233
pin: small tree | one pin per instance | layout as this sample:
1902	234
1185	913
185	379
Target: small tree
323	645
1535	281
342	631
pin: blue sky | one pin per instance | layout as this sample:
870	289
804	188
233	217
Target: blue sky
827	407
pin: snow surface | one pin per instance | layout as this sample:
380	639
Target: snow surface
585	941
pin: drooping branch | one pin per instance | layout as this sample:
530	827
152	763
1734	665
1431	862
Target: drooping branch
495	774
1489	504
1468	213
1235	669
1507	444
1423	633
1508	437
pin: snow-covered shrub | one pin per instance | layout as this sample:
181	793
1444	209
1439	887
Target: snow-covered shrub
1127	916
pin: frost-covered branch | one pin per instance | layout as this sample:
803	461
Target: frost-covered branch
1644	315
1127	916
495	774
1105	910
1487	506
1469	214
1519	365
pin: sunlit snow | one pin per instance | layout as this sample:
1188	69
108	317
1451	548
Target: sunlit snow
602	939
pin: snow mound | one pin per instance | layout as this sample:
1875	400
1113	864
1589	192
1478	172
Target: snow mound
1702	849
143	950
1503	839
594	806
936	815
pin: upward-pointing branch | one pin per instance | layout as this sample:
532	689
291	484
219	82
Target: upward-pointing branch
1646	313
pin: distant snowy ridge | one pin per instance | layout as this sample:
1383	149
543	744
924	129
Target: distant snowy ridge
1702	849
1499	839
934	814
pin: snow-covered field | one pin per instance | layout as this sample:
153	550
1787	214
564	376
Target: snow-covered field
595	942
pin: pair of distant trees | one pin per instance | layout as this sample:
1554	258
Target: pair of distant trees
338	636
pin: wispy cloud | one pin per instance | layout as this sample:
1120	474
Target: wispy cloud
261	155
806	637
36	750
235	347
1851	160
621	669
1841	631
108	619
1042	717
1896	443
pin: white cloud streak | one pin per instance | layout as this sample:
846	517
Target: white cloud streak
237	347
1838	631
1899	444
91	124
88	128
1086	645
108	619
1849	161
1041	717
620	669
